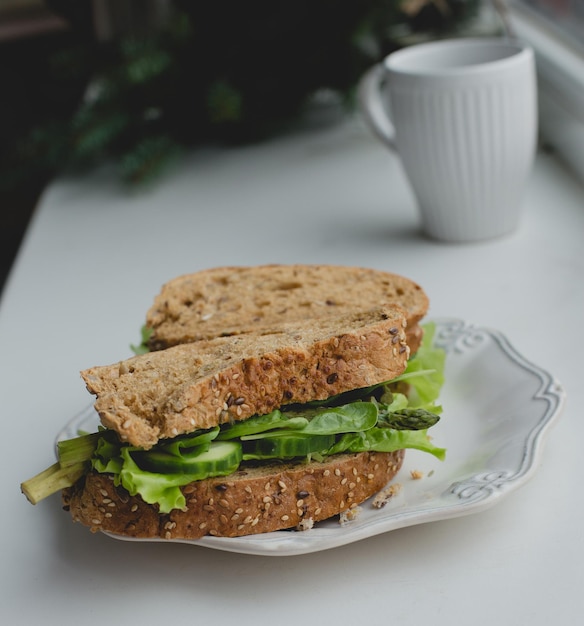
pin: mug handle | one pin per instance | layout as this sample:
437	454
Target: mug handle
371	105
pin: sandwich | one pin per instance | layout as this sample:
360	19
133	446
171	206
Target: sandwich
248	411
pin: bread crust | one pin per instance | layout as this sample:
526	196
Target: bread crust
203	384
237	300
253	500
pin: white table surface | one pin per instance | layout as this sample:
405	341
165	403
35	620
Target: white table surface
93	259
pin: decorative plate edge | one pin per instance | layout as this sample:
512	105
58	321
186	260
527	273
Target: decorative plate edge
455	335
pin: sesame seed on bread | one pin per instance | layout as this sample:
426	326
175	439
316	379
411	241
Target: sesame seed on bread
238	300
166	393
252	500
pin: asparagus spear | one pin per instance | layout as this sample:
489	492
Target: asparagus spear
409	419
74	455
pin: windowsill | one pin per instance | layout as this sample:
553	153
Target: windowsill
561	87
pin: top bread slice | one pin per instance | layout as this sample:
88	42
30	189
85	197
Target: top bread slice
237	300
202	384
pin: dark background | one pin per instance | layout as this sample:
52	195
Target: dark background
30	34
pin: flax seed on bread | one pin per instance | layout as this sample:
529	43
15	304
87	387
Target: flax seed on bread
209	382
252	500
237	300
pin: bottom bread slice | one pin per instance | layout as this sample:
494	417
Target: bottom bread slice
253	500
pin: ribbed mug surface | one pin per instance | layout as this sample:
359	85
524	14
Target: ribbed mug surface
464	114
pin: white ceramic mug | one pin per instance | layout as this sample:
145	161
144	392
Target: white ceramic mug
463	119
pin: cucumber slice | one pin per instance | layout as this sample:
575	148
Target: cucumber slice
286	446
222	457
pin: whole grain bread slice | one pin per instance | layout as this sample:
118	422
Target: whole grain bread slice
235	300
200	385
252	500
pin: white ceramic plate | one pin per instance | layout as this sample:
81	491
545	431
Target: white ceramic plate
498	408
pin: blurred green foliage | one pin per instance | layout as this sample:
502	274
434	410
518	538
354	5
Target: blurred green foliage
226	71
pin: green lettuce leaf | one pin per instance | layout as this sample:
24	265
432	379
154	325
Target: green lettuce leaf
161	489
425	373
387	440
262	423
330	421
142	347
